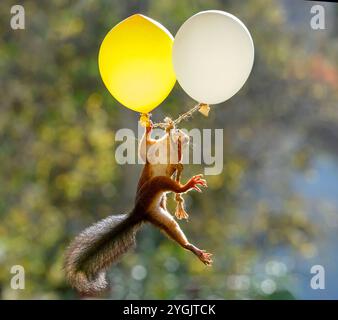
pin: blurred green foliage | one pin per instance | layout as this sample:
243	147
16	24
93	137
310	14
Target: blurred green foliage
58	175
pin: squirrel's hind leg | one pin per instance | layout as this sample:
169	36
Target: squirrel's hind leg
167	223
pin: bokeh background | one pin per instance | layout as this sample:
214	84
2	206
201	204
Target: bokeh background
268	218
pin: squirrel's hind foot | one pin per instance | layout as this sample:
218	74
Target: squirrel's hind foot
195	182
205	257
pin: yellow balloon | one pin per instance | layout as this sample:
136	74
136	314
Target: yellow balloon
135	62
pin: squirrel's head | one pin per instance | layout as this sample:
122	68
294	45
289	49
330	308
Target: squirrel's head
157	148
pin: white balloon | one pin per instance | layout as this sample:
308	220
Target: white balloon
213	54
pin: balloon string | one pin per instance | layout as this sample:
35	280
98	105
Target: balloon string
169	123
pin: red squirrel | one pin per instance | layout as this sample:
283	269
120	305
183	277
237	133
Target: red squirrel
92	252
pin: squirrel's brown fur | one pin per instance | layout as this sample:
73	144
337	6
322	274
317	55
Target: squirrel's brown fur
97	247
93	250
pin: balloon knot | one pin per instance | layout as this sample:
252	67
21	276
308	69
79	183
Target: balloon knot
145	120
204	109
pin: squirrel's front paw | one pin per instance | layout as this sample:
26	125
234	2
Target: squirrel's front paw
197	181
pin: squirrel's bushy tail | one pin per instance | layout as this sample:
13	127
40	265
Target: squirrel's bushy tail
96	248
